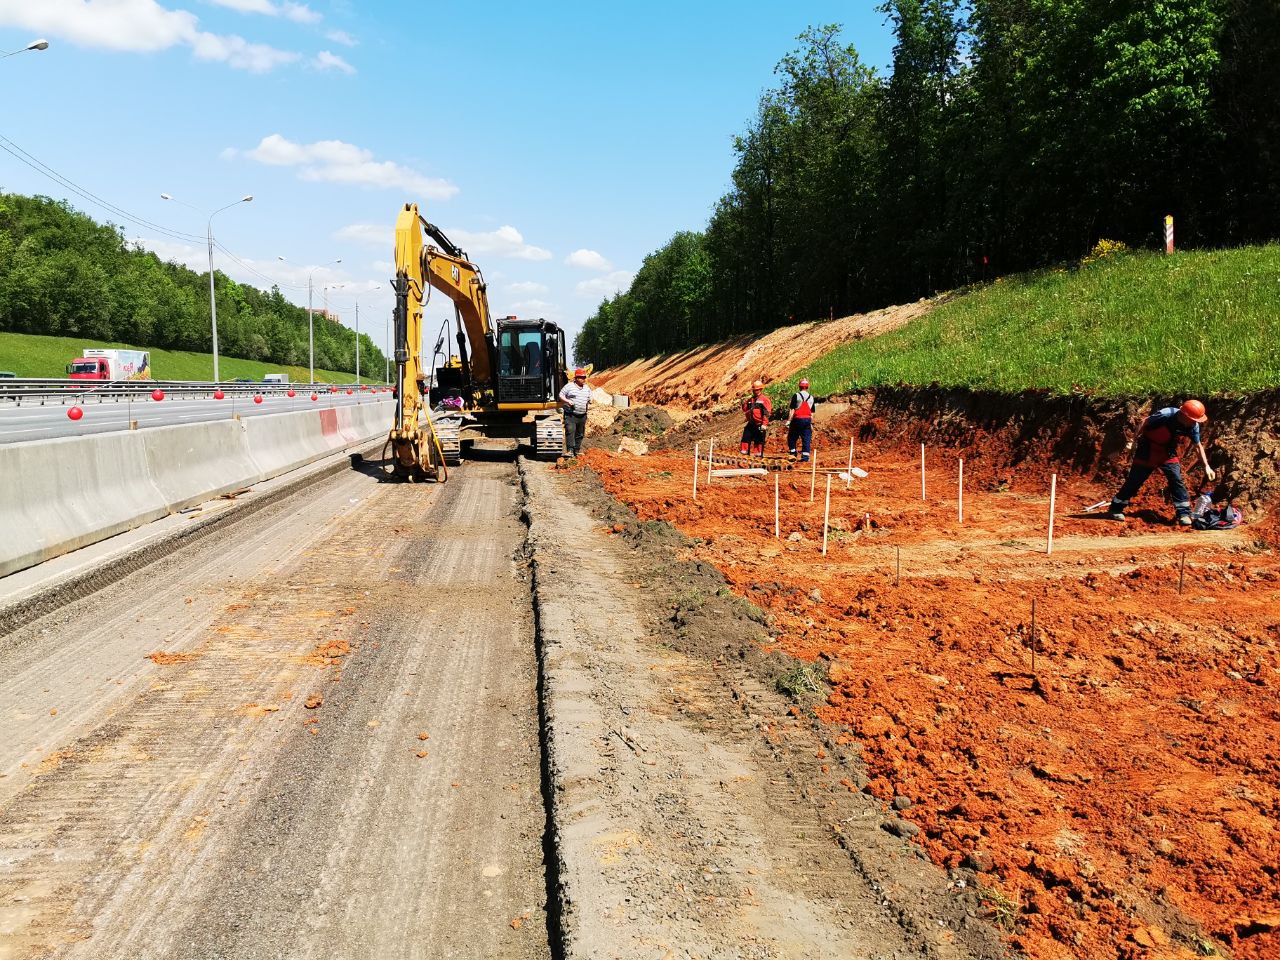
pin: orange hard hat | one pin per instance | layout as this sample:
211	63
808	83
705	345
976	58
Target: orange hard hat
1193	410
757	384
804	383
579	373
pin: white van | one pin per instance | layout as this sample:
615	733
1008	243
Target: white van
275	378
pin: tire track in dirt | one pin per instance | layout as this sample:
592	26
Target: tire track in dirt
211	813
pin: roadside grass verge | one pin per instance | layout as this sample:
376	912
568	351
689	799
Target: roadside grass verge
1130	324
28	355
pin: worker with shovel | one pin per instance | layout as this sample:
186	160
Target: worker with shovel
757	409
1157	449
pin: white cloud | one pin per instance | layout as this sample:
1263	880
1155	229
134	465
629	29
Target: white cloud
506	241
588	260
334	161
535	307
297	12
527	286
342	37
324	60
605	286
378	234
384	267
138	26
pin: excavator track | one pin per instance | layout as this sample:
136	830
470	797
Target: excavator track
734	460
548	438
449	432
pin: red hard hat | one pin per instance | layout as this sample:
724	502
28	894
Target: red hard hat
580	372
804	383
1193	410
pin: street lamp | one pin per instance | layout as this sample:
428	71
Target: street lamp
33	45
311	336
213	300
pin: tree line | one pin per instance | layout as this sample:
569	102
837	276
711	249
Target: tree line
64	274
1008	135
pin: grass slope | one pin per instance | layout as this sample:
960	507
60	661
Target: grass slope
32	356
1131	324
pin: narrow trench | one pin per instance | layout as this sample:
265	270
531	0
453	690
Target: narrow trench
550	849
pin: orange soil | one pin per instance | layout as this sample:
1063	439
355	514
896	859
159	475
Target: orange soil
1122	791
164	658
707	376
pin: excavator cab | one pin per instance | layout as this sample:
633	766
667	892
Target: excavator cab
531	367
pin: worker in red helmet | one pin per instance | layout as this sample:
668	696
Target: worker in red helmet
800	433
757	409
575	398
1157	449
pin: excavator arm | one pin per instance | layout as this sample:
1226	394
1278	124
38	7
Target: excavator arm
415	447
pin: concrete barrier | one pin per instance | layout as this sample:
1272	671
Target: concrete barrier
60	495
63	494
197	462
285	441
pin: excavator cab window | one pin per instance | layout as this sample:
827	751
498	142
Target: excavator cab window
522	365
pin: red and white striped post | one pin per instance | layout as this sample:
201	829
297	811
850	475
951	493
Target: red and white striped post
1168	234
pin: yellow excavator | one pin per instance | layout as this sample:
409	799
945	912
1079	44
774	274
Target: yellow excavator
504	380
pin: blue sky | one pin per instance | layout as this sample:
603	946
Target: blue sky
558	143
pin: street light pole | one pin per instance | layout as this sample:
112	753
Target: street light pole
213	298
357	339
311	333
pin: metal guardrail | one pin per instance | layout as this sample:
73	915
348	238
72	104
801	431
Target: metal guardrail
38	392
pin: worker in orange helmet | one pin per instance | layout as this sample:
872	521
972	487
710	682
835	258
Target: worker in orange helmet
1157	449
757	409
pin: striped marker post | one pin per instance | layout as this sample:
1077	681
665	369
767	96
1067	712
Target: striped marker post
813	473
922	496
960	498
1168	235
711	456
848	477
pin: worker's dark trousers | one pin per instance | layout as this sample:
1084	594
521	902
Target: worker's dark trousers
575	425
801	431
753	438
1138	474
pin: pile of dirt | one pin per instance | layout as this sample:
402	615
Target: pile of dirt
708	377
1107	766
637	423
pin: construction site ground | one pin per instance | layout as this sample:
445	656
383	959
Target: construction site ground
1104	772
374	720
313	735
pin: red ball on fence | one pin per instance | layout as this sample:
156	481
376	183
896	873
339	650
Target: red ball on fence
291	393
74	413
350	391
314	397
218	394
258	398
157	394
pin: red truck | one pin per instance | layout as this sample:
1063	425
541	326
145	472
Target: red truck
111	365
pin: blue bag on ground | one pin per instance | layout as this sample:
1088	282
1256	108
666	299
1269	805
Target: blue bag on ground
1225	517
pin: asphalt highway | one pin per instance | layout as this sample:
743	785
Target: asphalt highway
31	421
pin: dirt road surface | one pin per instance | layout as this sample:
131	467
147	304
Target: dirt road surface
313	736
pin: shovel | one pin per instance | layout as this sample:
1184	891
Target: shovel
1097	506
